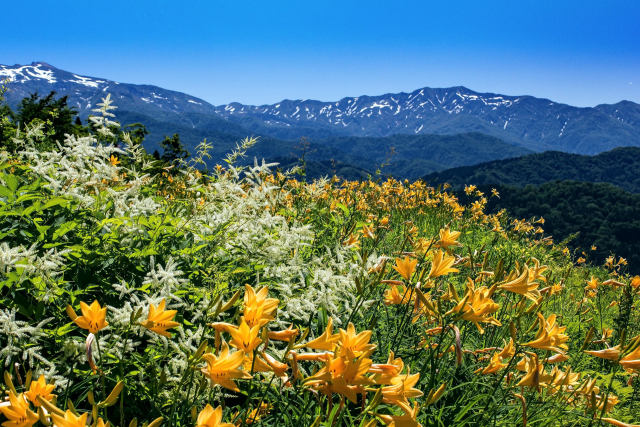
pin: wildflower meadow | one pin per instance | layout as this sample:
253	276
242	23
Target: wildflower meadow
136	292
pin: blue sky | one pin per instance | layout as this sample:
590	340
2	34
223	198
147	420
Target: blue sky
578	52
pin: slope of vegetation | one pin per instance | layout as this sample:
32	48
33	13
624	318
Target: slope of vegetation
618	167
140	289
599	219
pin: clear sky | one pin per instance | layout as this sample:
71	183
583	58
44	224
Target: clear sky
581	52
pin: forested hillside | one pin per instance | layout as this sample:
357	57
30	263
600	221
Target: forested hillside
619	167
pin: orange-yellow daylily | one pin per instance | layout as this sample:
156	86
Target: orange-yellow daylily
632	360
384	373
39	388
343	376
397	295
326	341
447	238
550	335
498	360
17	412
592	284
612	353
441	264
93	316
258	309
522	285
400	390
159	319
406	420
353	345
405	267
617	423
210	417
224	368
245	338
284	335
69	419
534	372
477	306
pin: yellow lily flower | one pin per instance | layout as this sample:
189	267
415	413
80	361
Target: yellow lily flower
632	360
385	372
210	417
534	372
405	267
69	419
93	316
284	335
225	368
39	388
550	335
400	390
406	420
447	238
343	376
441	264
258	309
17	412
477	306
354	345
617	423
522	285
326	341
396	295
245	338
159	319
612	353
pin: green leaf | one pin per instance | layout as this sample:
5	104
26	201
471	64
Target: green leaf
64	229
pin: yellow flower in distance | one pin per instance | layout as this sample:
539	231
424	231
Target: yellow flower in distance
210	417
93	316
69	419
159	319
224	368
405	267
550	336
441	264
114	160
17	412
39	388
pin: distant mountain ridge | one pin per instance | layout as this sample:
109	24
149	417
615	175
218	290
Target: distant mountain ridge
618	167
533	124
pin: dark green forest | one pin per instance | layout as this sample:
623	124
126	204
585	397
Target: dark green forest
620	167
584	214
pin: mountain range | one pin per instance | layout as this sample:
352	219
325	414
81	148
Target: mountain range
419	132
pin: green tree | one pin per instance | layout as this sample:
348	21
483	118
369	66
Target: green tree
173	149
56	117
